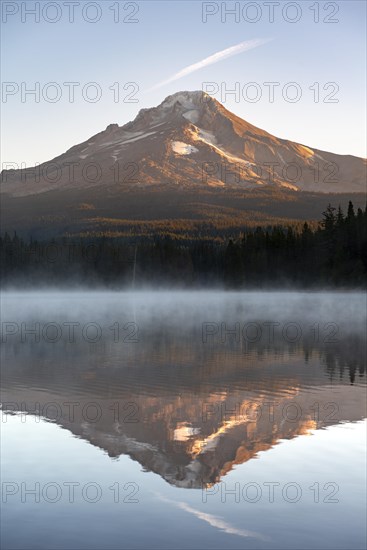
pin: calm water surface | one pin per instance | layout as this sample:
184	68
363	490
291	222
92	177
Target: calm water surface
183	420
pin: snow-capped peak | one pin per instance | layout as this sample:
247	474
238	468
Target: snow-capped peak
187	104
188	100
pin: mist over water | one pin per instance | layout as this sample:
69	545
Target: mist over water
183	307
177	398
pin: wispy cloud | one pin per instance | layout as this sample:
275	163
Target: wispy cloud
219	523
214	521
215	58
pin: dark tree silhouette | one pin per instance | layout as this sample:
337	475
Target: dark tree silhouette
334	253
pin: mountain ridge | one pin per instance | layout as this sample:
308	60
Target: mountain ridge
187	165
190	139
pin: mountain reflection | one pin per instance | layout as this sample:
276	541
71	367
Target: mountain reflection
186	406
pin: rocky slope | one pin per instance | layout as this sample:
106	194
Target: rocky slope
189	140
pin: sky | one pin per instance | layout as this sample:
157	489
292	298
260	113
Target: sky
297	69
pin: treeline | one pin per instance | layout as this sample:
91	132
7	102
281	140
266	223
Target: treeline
333	254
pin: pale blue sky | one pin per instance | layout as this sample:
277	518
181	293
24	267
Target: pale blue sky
168	37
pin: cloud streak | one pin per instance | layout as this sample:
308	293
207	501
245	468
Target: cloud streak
214	521
215	58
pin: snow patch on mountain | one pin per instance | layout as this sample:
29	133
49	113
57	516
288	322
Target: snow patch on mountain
192	115
281	158
182	148
188	100
319	156
309	152
207	137
142	136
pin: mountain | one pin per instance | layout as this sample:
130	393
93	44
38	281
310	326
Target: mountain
191	139
175	161
185	449
186	403
189	416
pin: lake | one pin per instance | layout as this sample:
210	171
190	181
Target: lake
183	420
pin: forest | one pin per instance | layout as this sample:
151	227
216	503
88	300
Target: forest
330	254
